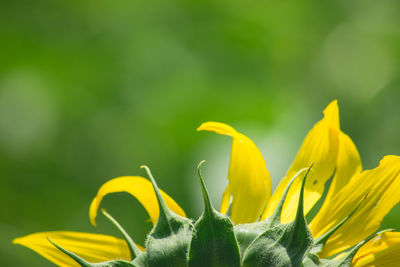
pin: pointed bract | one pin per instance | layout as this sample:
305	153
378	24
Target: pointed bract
73	256
134	250
282	244
84	263
213	242
170	237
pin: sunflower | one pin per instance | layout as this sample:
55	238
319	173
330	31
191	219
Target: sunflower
255	226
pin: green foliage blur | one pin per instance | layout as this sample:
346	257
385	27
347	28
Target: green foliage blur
91	90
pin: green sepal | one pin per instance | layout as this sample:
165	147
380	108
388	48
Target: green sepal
84	263
141	260
115	263
213	242
248	232
73	256
133	249
281	244
320	242
169	239
312	258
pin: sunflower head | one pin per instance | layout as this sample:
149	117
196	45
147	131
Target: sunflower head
253	227
214	241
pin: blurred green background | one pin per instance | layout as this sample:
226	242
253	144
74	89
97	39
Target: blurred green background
91	90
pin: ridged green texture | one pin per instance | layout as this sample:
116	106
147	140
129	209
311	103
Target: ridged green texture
213	241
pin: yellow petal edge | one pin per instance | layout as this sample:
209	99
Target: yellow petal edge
141	189
320	149
377	190
249	180
91	247
382	251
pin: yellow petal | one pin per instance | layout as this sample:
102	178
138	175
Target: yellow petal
91	247
138	187
382	251
377	190
320	147
249	180
348	165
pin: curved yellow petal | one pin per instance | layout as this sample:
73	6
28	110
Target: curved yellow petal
320	148
138	187
91	247
382	251
348	165
249	180
377	190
